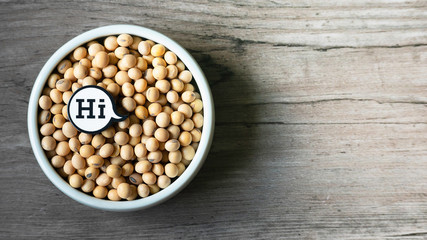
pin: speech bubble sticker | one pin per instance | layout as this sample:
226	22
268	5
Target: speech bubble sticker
91	109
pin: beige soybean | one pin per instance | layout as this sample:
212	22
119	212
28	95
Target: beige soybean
196	135
143	190
106	150
135	178
141	112
187	125
95	161
48	143
45	102
96	73
86	62
51	81
116	151
110	43
100	192
140	85
78	161
163	86
141	64
175	156
113	195
174	132
144	48
122	77
121	138
101	60
109	132
57	108
124	190
149	178
154	188
58	120
80	71
128	89
126	152
103	180
114	171
117	181
76	181
134	73
161	134
143	166
163	181
189	87
152	144
172	145
196	105
55	95
171	170
185	138
68	168
163	119
158	61
47	129
44	117
109	71
170	57
133	193
155	157
127	169
69	130
148	75
177	118
172	72
85	138
88	186
154	109
177	85
160	72
185	76
129	104
152	94
95	48
198	120
74	144
92	173
135	130
158	169
188	152
172	96
57	161
80	53
158	50
97	141
188	96
62	148
124	40
120	52
140	150
86	151
63	85
186	110
63	66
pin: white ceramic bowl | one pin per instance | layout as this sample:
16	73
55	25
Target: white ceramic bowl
180	182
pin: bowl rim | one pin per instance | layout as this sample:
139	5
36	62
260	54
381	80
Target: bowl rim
204	144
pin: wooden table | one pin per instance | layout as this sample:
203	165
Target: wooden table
321	120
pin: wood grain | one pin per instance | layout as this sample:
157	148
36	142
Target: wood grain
321	120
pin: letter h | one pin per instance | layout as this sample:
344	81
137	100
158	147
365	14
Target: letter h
81	108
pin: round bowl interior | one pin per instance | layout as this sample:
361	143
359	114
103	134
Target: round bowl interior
180	182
